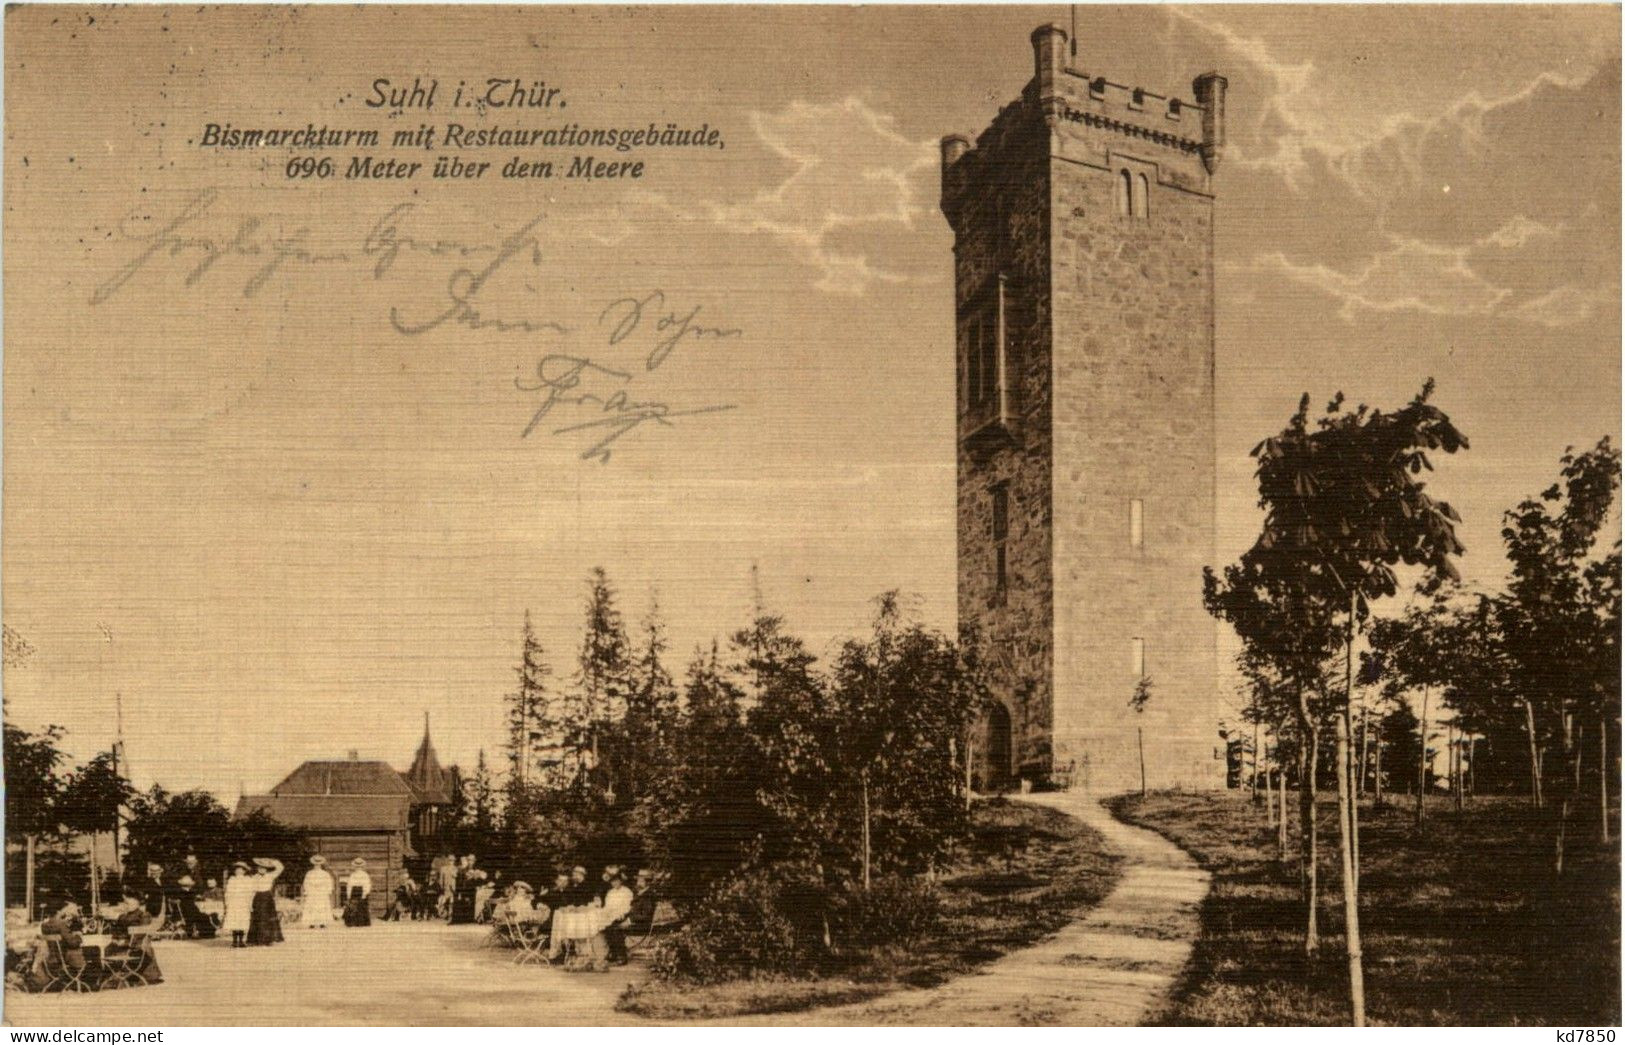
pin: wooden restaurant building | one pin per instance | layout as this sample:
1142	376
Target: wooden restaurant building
353	808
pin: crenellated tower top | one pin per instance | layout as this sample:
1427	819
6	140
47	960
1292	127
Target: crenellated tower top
1059	93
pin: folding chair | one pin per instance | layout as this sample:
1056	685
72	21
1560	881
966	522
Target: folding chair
170	923
124	970
533	944
65	977
503	933
640	928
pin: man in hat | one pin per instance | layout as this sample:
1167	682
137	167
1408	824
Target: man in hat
357	887
316	895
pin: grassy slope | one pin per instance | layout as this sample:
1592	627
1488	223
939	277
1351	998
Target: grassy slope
1027	872
1462	923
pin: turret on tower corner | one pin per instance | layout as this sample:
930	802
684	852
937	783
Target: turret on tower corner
1083	283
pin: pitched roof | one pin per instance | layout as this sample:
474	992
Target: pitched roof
343	778
430	782
331	812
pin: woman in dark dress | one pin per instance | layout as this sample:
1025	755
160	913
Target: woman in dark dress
264	924
357	888
462	901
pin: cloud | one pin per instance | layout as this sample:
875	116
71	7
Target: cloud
1414	275
852	177
1303	126
1562	307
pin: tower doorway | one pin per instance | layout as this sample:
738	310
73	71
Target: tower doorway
998	747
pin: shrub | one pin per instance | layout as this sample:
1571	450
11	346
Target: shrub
765	921
893	910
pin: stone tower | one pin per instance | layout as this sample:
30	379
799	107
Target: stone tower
1083	285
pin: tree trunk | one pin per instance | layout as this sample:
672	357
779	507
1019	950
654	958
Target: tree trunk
1463	746
28	877
1309	837
865	777
1280	820
1351	882
970	761
95	878
1602	774
1572	755
1534	753
1346	760
1365	751
1422	766
1376	775
1269	794
1255	762
1139	733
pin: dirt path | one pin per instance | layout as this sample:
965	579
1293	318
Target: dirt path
1113	967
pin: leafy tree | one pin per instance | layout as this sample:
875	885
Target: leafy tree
93	794
18	651
1420	650
704	821
164	827
33	787
901	700
1343	508
1137	701
1561	618
1288	637
90	803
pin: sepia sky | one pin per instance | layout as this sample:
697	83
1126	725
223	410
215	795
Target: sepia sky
282	529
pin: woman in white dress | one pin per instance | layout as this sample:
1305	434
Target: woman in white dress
316	904
240	890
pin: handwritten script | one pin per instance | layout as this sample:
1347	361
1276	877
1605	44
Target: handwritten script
577	392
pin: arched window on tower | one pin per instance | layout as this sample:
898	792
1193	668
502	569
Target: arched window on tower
1142	201
1125	193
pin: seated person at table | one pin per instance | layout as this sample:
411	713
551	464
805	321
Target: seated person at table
199	926
125	930
64	926
612	920
573	919
521	905
644	902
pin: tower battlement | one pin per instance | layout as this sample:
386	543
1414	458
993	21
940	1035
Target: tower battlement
1061	94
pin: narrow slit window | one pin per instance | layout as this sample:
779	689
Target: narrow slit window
1137	657
1125	193
1136	524
1000	535
1143	200
973	362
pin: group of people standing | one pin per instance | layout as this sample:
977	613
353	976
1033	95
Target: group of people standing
318	890
251	916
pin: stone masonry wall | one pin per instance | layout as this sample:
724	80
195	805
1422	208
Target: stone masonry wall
1133	390
1001	221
